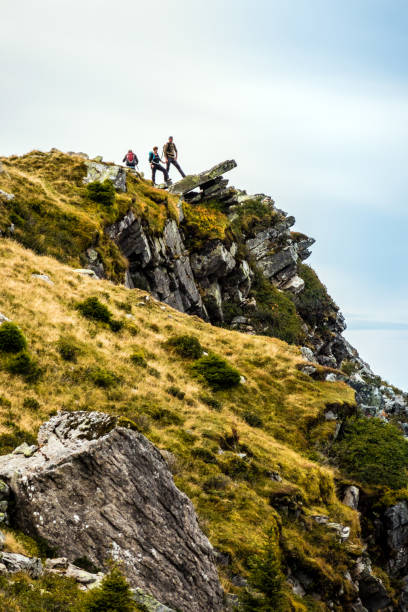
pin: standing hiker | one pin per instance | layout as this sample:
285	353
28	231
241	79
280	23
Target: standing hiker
154	160
170	155
131	159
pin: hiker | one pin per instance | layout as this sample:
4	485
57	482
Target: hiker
130	159
154	160
170	156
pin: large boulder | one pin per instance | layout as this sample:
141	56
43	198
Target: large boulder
97	489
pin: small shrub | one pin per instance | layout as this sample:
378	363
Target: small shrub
374	452
68	349
138	359
104	378
204	454
252	419
101	193
188	347
4	402
113	595
153	372
165	416
216	372
216	483
92	308
176	392
212	402
87	565
31	403
116	325
12	339
23	364
266	579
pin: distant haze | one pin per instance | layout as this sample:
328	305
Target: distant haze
309	96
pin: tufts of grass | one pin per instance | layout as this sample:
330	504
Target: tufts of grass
69	349
138	359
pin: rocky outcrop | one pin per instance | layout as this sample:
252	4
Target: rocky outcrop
207	178
96	489
98	171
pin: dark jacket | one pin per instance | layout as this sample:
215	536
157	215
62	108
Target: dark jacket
154	158
170	150
134	161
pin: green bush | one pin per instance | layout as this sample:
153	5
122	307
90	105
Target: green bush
104	378
252	419
275	311
93	309
138	359
216	372
101	193
68	349
113	595
31	403
204	454
313	303
266	579
116	325
212	402
374	453
176	392
12	339
188	347
24	364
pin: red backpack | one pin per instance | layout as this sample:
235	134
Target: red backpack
130	157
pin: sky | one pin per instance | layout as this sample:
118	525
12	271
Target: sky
309	96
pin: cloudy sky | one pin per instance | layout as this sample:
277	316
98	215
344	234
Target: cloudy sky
309	96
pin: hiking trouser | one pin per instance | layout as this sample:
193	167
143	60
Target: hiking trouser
176	164
156	167
131	165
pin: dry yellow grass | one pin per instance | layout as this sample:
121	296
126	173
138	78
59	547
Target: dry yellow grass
287	401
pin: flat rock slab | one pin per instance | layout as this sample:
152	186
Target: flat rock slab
95	488
192	181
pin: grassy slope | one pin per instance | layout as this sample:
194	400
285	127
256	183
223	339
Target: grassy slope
53	215
235	514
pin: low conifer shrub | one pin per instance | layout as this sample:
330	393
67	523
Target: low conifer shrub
217	373
101	193
186	346
93	309
113	595
25	365
12	339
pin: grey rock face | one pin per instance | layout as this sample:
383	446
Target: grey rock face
351	497
99	490
13	563
216	261
3	318
396	532
160	265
